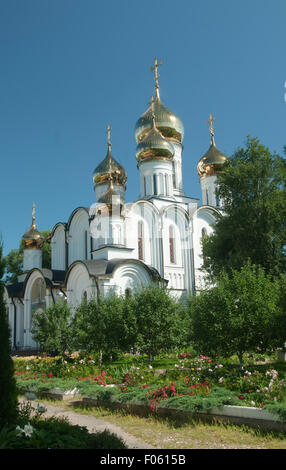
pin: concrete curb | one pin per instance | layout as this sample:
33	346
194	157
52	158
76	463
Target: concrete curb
240	415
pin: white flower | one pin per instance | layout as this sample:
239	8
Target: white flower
252	403
176	365
150	367
28	430
221	380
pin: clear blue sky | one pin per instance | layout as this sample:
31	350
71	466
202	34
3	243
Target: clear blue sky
70	67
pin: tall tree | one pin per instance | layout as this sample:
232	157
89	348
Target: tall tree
161	325
8	391
244	311
253	188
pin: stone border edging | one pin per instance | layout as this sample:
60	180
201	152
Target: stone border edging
254	417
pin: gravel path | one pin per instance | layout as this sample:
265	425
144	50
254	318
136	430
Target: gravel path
93	424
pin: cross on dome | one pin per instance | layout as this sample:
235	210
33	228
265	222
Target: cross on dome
154	69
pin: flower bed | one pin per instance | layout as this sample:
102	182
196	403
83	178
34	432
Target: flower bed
194	382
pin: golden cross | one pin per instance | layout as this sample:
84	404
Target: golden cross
33	214
109	129
210	122
155	69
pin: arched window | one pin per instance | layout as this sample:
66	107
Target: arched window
172	244
140	240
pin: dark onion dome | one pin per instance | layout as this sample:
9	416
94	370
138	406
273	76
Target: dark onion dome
212	162
32	238
154	146
167	122
109	167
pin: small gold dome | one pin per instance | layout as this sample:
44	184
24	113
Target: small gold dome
154	146
109	167
212	162
167	122
32	238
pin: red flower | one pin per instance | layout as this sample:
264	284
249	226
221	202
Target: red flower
50	374
241	397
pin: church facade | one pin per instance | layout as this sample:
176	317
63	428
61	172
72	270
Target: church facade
118	246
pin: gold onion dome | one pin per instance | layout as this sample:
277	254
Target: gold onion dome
167	122
212	162
109	168
32	238
154	146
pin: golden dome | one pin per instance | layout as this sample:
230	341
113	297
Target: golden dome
109	168
167	122
212	162
32	238
154	146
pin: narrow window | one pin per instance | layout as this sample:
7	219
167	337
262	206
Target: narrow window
166	186
174	175
155	184
140	240
172	244
145	189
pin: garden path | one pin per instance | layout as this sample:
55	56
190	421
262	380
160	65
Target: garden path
92	423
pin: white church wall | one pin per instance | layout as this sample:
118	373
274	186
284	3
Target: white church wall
203	221
177	248
209	197
144	212
156	178
34	299
129	276
177	178
58	248
79	285
78	236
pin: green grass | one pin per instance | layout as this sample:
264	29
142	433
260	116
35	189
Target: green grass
178	433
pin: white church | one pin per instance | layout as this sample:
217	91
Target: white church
115	246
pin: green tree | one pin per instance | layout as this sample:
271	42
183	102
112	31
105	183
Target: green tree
8	391
104	325
253	227
160	325
14	259
240	314
51	328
